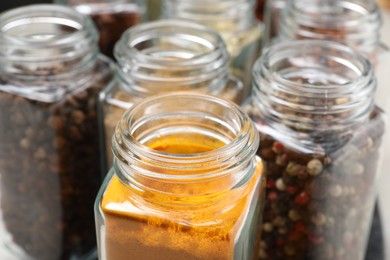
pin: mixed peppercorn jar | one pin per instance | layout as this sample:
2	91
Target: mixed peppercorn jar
50	78
321	138
186	183
112	18
235	20
355	23
161	57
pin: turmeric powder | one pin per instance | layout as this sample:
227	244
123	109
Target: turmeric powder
139	226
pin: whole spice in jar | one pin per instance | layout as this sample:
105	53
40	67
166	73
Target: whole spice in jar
356	23
259	11
195	191
321	137
197	61
112	18
49	143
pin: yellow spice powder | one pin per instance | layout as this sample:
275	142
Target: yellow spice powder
137	230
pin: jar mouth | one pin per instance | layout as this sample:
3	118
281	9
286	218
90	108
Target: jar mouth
353	22
315	88
171	42
172	55
315	67
231	16
331	14
43	32
183	113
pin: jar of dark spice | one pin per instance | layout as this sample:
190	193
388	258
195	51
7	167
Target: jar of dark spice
272	15
321	138
112	18
356	23
259	11
235	20
186	183
166	56
50	77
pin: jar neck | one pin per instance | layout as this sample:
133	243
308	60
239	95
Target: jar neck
176	177
172	55
46	43
227	17
313	91
352	22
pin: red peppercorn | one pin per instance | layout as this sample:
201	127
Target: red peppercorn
277	147
294	236
291	189
272	196
302	198
270	184
300	227
280	242
316	240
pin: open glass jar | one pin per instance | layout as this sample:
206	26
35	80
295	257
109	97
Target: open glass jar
50	78
166	56
186	183
236	22
112	18
355	23
321	138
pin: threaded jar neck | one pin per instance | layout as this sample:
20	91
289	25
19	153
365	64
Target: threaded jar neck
313	90
46	41
352	22
172	55
202	117
227	17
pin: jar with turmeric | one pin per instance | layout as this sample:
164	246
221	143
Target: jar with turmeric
161	57
185	184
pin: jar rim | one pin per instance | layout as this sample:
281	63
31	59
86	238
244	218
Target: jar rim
310	89
364	9
47	13
146	31
242	147
356	23
284	49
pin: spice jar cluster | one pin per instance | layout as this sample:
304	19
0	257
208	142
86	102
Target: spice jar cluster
203	144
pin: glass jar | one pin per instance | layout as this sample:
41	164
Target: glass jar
186	183
234	20
272	16
112	18
50	78
321	140
356	23
166	56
